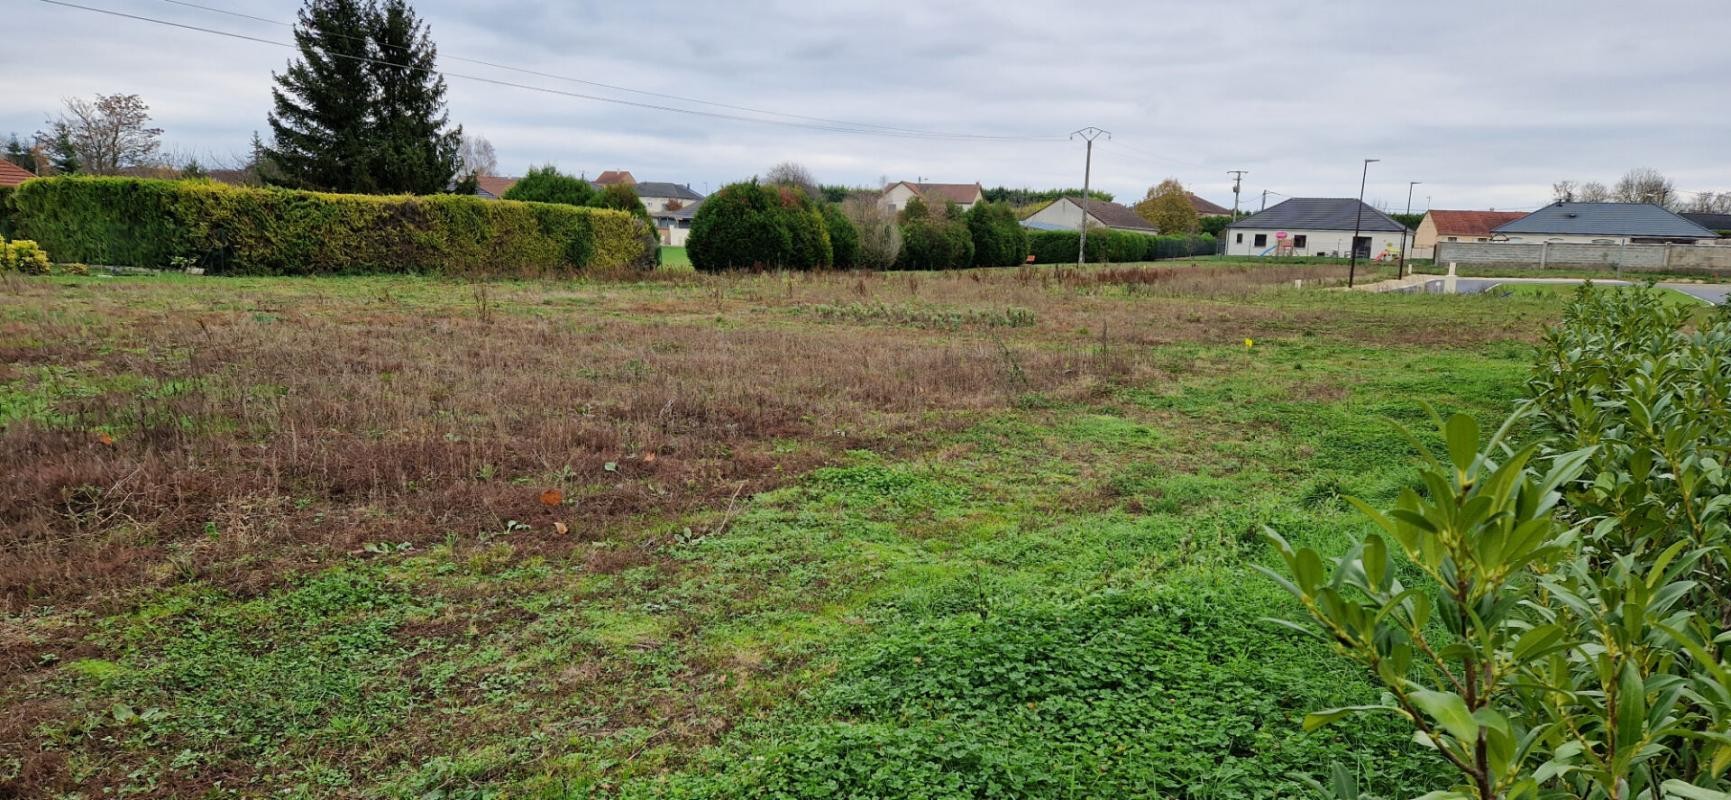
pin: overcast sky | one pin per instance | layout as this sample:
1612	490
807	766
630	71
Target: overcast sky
1487	103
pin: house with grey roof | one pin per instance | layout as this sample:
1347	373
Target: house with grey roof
1719	223
1602	223
658	196
1317	226
1065	214
674	225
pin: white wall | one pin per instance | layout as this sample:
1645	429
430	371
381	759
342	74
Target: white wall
898	196
1317	242
1058	212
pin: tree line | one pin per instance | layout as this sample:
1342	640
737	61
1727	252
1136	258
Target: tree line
1642	185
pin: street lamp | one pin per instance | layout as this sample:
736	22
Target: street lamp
1357	222
1400	271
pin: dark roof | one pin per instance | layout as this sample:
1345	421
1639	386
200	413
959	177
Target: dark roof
1470	223
1714	222
664	189
687	211
11	174
493	186
1607	219
1320	214
1207	209
1113	215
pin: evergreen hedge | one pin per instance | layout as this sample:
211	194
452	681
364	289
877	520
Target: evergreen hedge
936	241
843	236
243	231
752	226
7	213
1119	247
999	238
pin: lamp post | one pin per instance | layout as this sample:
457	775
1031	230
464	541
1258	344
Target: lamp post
1400	271
1088	134
1357	223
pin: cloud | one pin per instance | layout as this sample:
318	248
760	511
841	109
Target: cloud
1485	102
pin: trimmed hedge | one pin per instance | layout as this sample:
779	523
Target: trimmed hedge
999	238
7	214
843	236
936	242
1119	247
752	226
243	231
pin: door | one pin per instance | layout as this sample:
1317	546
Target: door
1361	247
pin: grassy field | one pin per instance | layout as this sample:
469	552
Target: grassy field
985	533
675	258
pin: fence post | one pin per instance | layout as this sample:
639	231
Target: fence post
1665	263
1544	254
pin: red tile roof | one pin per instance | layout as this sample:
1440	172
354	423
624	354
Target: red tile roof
962	193
11	174
1471	223
1207	209
493	185
613	176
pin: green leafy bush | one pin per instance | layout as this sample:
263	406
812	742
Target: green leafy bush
844	238
548	185
7	212
1552	619
619	197
234	230
752	226
940	243
999	238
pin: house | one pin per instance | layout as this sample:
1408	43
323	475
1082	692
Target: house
493	187
1315	226
1205	208
658	196
612	176
1457	226
1065	213
674	225
897	195
1719	223
11	174
1602	223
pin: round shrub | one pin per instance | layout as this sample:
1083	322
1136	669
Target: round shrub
999	239
936	243
549	185
750	226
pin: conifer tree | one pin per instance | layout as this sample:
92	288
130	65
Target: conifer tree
416	151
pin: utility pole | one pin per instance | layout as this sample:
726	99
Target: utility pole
1400	271
1264	201
1088	134
1237	180
1357	222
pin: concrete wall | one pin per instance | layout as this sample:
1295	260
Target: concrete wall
1637	257
1317	242
1060	213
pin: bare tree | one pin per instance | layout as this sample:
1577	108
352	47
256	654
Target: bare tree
1645	185
108	134
1594	192
1704	203
1563	191
476	156
880	238
789	173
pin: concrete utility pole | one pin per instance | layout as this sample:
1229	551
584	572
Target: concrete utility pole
1237	180
1357	222
1400	271
1088	134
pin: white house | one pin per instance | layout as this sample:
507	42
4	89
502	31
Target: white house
1065	213
897	195
658	196
1602	223
1316	226
675	226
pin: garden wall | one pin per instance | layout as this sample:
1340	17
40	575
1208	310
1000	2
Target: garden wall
1715	259
234	230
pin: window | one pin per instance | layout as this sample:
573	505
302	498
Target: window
1453	239
1261	240
1239	240
1299	240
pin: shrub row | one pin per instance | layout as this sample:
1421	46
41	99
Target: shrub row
235	230
6	212
1119	247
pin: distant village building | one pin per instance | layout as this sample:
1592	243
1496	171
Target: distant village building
1457	226
1205	208
1316	226
11	174
1602	223
897	195
1065	214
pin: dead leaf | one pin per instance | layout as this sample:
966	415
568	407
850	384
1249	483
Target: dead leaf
648	458
103	438
561	528
552	498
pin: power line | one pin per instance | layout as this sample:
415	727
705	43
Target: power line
618	88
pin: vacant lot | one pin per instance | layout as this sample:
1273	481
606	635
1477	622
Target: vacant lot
983	533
